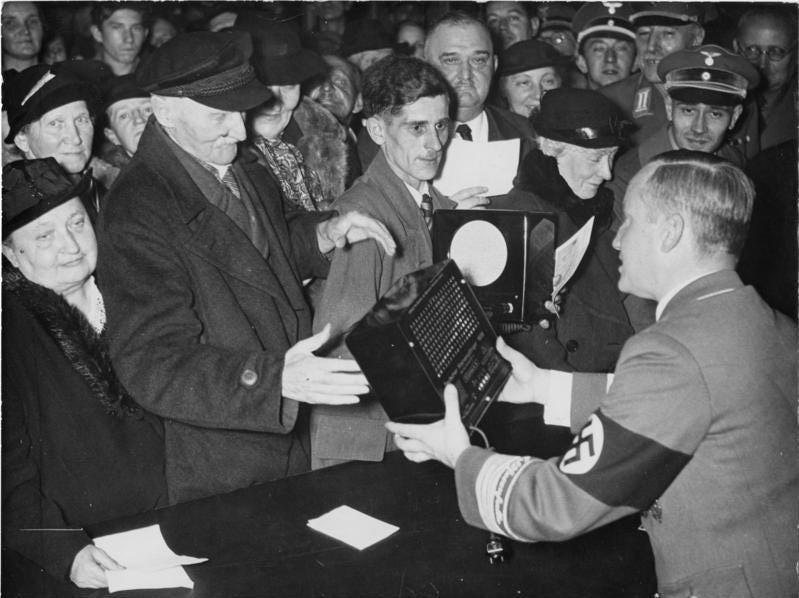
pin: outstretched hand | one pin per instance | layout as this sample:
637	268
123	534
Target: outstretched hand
352	227
528	383
311	379
443	440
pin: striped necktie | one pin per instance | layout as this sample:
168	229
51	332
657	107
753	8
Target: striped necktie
427	210
229	180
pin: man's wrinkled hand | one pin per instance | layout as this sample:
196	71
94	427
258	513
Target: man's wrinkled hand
443	440
89	567
471	198
352	227
528	383
321	380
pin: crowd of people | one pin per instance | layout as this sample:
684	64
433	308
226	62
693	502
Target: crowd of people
176	291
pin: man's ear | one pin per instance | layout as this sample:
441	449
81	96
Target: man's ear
10	255
535	23
358	105
699	36
96	33
672	230
496	62
736	114
669	107
582	64
111	136
375	126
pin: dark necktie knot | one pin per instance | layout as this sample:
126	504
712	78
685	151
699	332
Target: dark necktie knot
465	131
427	210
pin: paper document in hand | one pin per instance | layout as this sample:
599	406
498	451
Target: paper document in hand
136	579
353	527
143	548
474	164
569	255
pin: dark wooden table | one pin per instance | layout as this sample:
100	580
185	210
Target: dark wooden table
258	543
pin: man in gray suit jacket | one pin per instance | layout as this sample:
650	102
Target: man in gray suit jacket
697	429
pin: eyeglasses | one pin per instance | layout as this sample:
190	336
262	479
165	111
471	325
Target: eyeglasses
773	53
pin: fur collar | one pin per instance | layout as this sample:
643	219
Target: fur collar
323	145
81	345
539	175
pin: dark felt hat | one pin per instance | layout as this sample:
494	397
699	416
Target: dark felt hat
32	188
121	88
278	55
708	74
210	68
363	35
581	117
528	55
603	19
666	14
30	94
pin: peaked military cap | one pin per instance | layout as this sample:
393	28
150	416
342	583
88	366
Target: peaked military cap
603	19
667	14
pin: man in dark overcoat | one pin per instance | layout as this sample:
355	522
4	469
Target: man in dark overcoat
201	270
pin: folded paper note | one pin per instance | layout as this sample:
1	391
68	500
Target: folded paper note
148	561
352	527
473	164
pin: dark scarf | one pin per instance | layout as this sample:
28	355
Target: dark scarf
80	343
539	175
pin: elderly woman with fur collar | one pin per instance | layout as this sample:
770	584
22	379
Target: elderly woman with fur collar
76	447
579	132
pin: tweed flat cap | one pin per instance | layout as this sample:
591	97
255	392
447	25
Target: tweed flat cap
210	68
581	117
708	74
31	188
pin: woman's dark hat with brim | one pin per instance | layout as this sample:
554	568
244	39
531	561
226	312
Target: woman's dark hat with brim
30	94
528	55
278	55
210	68
31	188
581	117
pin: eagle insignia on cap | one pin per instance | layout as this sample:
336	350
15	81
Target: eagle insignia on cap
611	22
612	6
709	56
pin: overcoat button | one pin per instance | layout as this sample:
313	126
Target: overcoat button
249	378
572	346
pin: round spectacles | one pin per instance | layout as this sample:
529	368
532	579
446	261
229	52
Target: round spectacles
773	53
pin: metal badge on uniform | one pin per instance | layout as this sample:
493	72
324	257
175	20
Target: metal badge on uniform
508	257
426	332
643	102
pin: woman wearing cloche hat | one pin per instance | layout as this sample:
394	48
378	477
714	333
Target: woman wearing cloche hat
76	446
579	132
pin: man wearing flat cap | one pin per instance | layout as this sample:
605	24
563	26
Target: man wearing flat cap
706	89
605	42
661	28
201	270
125	110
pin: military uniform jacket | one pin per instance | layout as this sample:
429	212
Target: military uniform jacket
698	429
359	276
641	102
199	319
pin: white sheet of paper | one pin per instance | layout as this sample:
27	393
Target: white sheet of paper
471	164
569	255
352	527
136	579
143	548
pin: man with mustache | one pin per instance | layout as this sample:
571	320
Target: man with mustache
661	28
706	88
406	113
202	269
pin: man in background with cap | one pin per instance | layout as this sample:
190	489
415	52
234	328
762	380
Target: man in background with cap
126	108
706	88
605	42
661	28
201	271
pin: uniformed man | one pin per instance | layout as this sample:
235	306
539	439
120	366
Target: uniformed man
605	42
705	90
661	28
